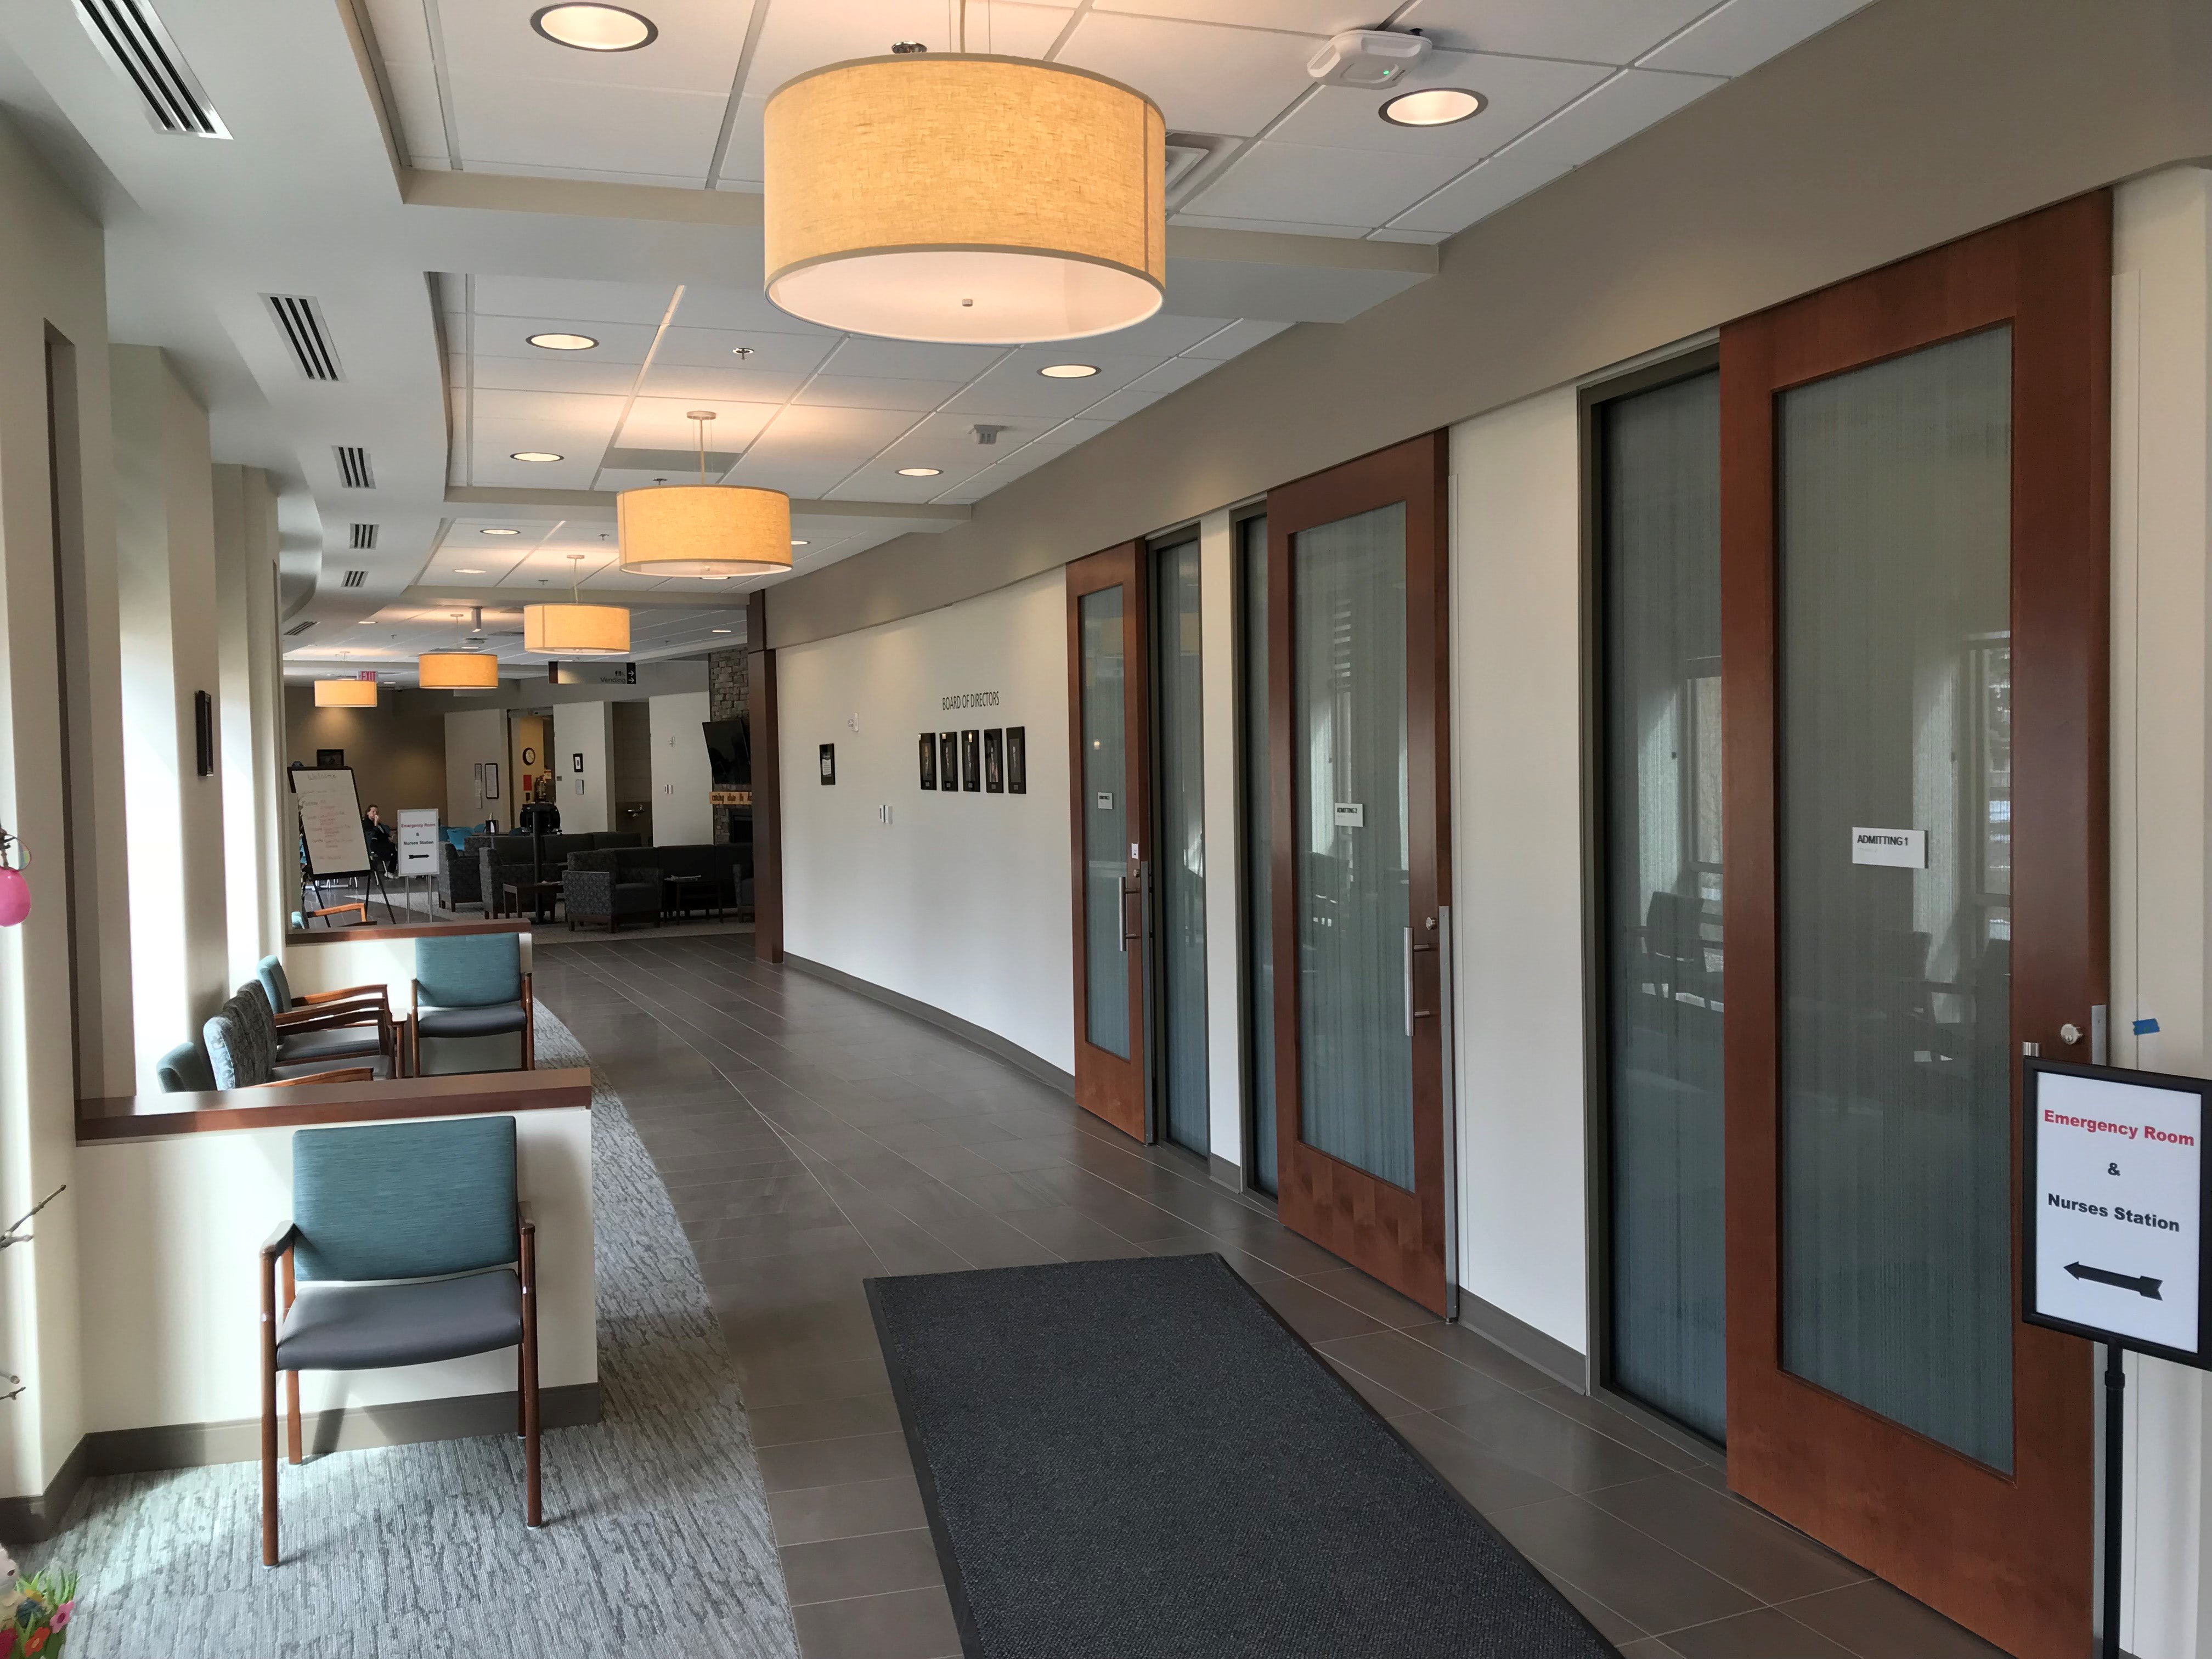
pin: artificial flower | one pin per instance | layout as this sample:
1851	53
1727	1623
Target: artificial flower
62	1614
37	1639
7	1642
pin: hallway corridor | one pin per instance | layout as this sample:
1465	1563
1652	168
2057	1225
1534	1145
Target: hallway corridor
813	1139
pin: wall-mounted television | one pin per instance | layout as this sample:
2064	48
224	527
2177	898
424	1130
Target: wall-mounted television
730	753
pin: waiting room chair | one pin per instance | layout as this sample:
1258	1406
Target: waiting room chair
414	1247
281	998
232	1056
470	985
312	1036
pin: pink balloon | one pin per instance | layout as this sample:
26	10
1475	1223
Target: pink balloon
14	897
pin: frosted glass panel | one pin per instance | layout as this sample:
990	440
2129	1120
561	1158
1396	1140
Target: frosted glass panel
1180	864
1105	823
1259	857
1895	704
1662	595
1348	706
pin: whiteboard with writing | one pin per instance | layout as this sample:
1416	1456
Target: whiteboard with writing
330	821
2116	1206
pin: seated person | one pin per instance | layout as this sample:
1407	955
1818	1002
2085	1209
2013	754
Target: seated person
383	848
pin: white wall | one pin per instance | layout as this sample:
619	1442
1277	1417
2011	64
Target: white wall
171	1228
2161	542
586	729
681	777
1225	945
961	900
473	737
1516	861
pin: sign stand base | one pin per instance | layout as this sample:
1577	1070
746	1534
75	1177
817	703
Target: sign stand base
2116	1383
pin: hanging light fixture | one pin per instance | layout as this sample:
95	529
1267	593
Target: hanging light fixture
359	692
576	630
460	670
703	529
965	197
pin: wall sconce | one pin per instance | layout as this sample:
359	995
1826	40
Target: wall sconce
14	890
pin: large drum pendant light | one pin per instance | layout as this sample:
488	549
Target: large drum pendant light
960	197
358	693
576	630
458	670
703	529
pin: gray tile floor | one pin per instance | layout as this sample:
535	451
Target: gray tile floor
813	1139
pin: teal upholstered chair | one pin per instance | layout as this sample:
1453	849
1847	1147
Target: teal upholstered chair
284	999
239	1053
422	1223
470	985
183	1070
362	1033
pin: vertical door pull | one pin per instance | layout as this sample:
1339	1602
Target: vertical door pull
1409	981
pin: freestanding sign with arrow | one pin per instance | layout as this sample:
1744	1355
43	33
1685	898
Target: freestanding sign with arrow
2114	1236
2116	1200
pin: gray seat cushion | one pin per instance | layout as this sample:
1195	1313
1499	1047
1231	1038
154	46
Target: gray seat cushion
488	1020
350	1327
342	1042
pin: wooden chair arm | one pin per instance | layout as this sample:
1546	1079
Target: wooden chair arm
357	907
523	1218
280	1240
347	1075
379	993
331	1019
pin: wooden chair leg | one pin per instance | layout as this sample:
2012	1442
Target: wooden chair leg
521	1392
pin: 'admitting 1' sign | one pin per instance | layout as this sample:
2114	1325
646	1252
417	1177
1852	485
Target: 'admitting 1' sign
2116	1204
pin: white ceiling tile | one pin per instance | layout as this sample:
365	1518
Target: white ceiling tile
553	371
402	34
948	441
1068	433
1519	93
509	336
742	312
696	50
661	424
1623	106
508	119
1127	401
806	34
911	360
744	159
1171	376
1237	338
1744	33
566	297
748	385
868	392
1159	335
551	411
1205	78
1287	226
879	481
422	118
494	470
716	348
1595	31
801	479
806	433
1016	387
1321	17
1272	180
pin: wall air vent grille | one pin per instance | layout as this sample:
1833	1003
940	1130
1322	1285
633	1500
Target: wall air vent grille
298	629
354	469
138	48
364	537
299	320
355	578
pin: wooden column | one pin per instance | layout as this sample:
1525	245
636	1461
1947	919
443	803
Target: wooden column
767	783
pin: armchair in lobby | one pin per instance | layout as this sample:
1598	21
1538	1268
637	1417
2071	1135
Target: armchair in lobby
281	998
362	1032
232	1055
607	887
414	1246
470	985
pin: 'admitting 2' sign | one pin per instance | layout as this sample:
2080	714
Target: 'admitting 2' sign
2116	1205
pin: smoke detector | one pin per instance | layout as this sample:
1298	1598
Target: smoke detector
1368	57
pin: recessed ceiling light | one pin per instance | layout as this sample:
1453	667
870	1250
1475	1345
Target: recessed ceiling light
533	455
563	341
1068	371
502	533
1431	106
594	28
468	573
798	543
713	578
722	630
919	471
368	621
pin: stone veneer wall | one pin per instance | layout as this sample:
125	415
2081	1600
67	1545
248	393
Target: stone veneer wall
726	701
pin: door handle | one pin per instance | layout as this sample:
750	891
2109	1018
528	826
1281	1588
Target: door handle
1411	1012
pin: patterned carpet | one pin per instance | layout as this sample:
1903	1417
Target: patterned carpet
658	1542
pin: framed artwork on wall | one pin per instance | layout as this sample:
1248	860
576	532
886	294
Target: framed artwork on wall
994	762
929	760
491	780
948	759
576	762
971	761
1018	760
828	763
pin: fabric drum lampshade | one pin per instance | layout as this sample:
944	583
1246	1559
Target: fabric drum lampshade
458	670
960	197
345	693
703	530
576	630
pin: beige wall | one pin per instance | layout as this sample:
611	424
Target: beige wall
1907	125
397	755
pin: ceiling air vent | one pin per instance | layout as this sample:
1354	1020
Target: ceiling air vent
1190	159
134	42
298	629
300	321
355	578
364	537
353	467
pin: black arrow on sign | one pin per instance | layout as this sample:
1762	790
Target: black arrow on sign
2119	1281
